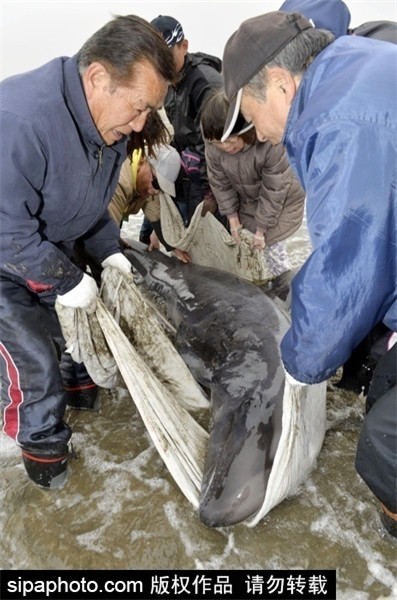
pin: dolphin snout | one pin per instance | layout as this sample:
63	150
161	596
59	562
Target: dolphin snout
233	505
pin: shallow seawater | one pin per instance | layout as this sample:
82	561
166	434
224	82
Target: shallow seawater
120	508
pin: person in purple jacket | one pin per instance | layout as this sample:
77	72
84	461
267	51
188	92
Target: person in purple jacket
332	104
64	132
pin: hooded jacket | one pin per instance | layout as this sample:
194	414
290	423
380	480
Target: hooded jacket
57	178
341	140
183	103
332	15
258	184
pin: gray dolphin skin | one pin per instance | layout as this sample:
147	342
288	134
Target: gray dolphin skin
228	332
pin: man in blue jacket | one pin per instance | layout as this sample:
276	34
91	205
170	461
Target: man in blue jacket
64	131
333	106
334	16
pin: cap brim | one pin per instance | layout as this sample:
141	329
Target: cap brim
165	185
232	115
241	126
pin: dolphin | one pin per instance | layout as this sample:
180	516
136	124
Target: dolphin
263	438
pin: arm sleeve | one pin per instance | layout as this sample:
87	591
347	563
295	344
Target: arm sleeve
276	176
123	194
103	239
226	197
25	252
348	283
157	228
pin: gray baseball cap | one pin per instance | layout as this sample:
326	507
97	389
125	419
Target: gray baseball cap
255	43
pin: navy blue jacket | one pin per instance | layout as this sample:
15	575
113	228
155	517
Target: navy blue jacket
57	178
341	140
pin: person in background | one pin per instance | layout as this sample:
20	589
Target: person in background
66	127
197	75
140	144
334	16
332	105
144	144
253	184
141	182
155	132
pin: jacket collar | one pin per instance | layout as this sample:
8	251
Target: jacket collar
182	73
300	100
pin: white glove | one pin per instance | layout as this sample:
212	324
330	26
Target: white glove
83	295
293	382
118	261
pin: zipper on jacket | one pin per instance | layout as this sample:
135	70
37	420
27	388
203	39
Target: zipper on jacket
100	157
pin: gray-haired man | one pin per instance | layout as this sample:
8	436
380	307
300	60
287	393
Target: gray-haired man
333	107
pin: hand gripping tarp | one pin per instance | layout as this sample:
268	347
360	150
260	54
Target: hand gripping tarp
211	245
157	378
162	386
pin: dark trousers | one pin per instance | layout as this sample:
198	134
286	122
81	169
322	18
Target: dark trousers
189	194
32	386
376	459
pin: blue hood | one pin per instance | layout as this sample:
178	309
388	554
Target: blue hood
325	14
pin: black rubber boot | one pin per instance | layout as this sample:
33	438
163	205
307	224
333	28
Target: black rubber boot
83	397
47	468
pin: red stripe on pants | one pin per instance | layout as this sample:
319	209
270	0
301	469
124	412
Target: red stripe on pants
11	412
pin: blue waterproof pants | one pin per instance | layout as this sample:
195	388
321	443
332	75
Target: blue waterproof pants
33	395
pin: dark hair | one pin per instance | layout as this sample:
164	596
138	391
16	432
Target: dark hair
154	133
213	118
213	115
123	42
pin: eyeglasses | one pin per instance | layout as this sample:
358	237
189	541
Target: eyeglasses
155	183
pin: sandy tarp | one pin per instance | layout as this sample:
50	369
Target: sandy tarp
211	245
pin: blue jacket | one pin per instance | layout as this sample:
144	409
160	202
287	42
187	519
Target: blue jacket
57	178
332	15
335	16
341	140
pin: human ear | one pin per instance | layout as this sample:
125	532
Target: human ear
284	82
96	76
